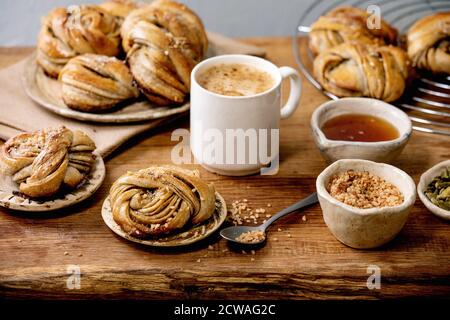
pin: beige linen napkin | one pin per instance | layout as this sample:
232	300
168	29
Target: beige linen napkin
19	113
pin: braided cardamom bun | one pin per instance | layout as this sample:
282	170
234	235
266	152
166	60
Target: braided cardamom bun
42	162
94	83
66	33
160	200
428	42
119	8
355	69
348	24
163	41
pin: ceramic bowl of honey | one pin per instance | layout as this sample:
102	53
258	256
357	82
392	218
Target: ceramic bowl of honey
360	128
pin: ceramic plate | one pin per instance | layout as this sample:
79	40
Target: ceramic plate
9	198
46	92
190	236
425	179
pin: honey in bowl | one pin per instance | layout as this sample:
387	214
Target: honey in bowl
359	127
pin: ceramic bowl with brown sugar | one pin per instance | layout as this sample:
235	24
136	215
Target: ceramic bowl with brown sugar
379	151
365	228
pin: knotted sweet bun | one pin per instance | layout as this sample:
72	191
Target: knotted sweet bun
42	162
160	200
95	83
69	32
348	24
428	42
356	69
164	41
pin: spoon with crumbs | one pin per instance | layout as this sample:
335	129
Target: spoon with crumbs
256	235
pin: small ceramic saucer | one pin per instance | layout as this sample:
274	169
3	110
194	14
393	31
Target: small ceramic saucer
183	238
10	197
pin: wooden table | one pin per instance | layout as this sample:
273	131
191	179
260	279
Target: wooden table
306	261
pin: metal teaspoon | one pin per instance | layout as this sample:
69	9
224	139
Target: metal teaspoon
231	233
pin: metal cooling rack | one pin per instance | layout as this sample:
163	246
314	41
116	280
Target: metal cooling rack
427	100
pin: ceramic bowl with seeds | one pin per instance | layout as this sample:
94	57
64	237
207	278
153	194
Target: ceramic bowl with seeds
425	180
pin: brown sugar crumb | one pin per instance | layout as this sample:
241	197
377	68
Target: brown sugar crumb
241	212
364	190
237	212
252	237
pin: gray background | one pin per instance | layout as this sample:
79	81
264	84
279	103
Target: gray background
20	19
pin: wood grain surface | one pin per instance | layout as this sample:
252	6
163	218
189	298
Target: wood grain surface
301	261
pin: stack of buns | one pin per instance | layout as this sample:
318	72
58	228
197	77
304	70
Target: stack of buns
106	54
353	59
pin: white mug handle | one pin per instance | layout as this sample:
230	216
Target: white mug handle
296	91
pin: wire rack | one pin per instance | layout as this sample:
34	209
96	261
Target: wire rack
427	99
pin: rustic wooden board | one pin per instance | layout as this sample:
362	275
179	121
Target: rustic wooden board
309	264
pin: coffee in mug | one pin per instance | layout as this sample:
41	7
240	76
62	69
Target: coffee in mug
234	126
235	80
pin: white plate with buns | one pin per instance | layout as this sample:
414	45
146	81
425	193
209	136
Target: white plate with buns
47	92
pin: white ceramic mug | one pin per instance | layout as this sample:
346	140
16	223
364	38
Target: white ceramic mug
215	117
